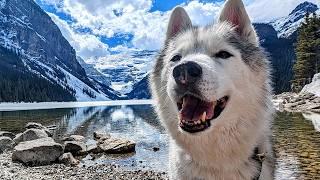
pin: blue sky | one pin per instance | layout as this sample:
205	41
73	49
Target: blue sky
100	28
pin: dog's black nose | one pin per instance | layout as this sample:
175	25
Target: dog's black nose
187	73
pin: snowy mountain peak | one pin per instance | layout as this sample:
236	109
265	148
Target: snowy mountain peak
286	26
304	7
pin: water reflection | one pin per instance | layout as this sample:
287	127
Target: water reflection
296	136
137	123
297	147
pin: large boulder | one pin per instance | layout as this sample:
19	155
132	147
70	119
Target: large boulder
6	143
33	125
68	159
30	134
7	134
75	147
116	146
42	151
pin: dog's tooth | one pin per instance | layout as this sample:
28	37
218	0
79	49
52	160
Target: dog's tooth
203	117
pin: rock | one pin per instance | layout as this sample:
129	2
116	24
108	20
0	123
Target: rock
100	136
7	134
304	154
33	125
30	134
155	149
74	138
6	143
42	151
93	148
75	147
117	146
68	159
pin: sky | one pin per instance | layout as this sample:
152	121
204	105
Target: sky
98	29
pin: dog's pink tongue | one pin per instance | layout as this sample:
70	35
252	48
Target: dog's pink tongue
193	109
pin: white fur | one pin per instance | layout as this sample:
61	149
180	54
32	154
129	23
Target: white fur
223	151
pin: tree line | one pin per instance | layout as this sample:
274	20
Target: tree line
307	52
17	84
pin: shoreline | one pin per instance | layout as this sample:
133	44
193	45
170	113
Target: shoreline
297	102
60	105
12	170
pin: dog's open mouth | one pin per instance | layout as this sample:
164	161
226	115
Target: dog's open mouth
195	114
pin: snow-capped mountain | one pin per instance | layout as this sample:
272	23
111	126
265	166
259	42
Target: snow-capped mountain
36	40
125	70
286	26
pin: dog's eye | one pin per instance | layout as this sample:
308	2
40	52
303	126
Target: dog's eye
176	58
223	55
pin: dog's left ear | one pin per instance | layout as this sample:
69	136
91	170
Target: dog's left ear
235	13
179	21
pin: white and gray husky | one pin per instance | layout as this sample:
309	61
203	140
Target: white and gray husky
212	92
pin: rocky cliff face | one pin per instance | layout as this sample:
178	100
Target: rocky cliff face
28	31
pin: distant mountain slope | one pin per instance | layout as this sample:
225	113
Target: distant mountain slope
281	53
27	30
140	90
124	70
17	84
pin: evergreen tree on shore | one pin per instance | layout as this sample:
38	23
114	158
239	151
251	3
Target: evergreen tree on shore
307	52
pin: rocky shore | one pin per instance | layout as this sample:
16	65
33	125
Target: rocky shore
34	154
293	102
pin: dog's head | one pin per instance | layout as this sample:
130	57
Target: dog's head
207	75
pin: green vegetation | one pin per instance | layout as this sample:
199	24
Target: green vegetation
307	52
17	84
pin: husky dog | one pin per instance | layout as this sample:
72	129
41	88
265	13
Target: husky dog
212	92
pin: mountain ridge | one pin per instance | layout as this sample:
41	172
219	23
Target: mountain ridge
30	32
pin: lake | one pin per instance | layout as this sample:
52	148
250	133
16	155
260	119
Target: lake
296	136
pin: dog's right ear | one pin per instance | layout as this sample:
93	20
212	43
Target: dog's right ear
179	21
235	13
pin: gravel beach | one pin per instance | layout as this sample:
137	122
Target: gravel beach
11	170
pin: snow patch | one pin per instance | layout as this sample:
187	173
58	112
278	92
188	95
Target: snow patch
61	105
2	4
314	86
314	118
79	87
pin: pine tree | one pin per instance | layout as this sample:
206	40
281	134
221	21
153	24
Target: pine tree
307	52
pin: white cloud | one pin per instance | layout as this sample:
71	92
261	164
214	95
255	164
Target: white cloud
87	46
148	28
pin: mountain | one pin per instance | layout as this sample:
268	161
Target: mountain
286	26
140	90
28	34
99	80
281	54
125	70
278	38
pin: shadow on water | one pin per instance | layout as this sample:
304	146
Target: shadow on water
296	136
